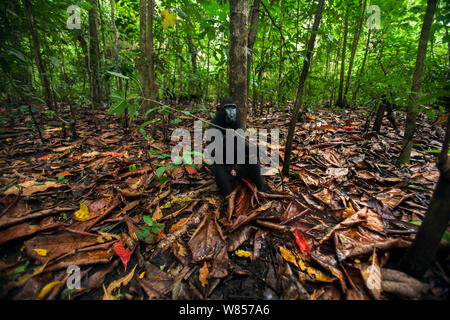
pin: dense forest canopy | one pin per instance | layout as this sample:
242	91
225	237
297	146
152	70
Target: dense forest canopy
190	53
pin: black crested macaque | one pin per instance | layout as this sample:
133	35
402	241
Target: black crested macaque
228	117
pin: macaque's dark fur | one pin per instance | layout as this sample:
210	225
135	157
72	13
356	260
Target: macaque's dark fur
222	172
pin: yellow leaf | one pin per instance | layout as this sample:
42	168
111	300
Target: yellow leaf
265	206
299	263
169	204
116	284
318	275
41	252
45	290
105	236
168	19
243	253
83	213
181	250
349	211
203	274
142	275
288	256
211	200
61	149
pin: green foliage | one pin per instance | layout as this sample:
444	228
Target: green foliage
21	268
150	227
445	237
434	151
201	33
187	158
18	271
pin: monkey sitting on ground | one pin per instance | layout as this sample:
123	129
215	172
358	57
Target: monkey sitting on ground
226	174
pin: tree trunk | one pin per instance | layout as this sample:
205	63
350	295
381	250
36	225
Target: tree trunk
354	46
361	70
336	64
281	58
116	47
85	51
410	124
94	56
261	67
194	87
150	54
252	33
421	255
326	75
193	53
299	98
238	55
340	100
143	62
37	53
206	95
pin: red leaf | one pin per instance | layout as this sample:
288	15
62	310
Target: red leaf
47	157
190	170
122	252
301	242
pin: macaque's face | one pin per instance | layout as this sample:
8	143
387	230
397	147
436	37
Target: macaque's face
229	113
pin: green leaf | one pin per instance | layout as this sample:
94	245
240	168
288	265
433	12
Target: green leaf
164	156
433	151
150	111
117	95
144	236
176	121
446	236
118	75
148	220
430	114
22	268
160	171
132	111
118	107
142	131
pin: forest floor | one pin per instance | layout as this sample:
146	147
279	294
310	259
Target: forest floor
332	230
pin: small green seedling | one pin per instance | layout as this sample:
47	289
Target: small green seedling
150	227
